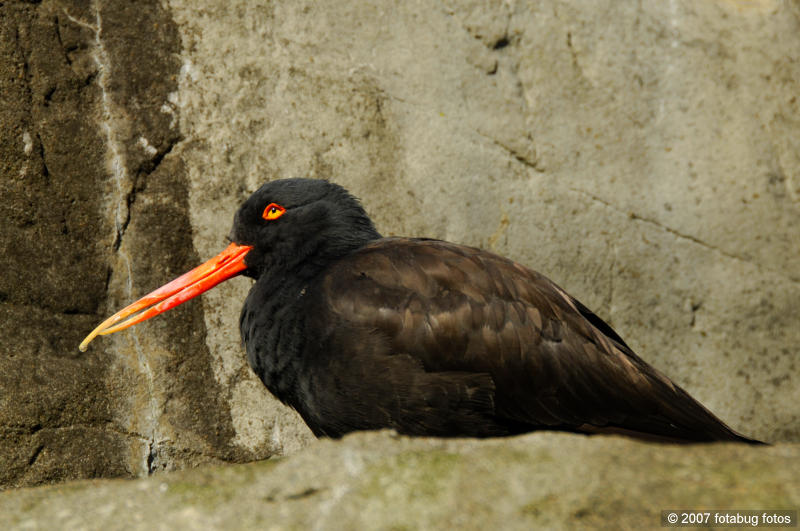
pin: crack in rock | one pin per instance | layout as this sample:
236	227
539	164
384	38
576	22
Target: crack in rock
534	164
35	456
678	234
123	197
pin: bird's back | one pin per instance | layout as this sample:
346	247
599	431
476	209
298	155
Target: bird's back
424	330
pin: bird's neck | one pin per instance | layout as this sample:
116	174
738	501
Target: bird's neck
271	319
274	315
317	253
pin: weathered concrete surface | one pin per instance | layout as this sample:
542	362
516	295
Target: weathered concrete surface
86	188
644	156
379	481
53	403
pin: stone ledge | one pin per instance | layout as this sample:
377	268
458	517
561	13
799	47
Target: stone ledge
381	480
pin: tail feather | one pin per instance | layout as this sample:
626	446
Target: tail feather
682	418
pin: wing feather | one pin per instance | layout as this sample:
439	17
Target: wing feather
553	363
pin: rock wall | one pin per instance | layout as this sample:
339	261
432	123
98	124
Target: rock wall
645	157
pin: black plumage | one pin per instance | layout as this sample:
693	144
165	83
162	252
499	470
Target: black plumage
360	332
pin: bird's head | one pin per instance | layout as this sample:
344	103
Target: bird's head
296	224
292	226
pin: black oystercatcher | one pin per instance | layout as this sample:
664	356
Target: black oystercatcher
360	332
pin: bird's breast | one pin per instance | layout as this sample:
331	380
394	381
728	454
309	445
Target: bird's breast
272	324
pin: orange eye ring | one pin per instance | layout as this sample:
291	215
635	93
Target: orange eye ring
273	212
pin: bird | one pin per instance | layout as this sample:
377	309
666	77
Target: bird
357	331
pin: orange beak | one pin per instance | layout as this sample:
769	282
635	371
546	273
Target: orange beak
225	265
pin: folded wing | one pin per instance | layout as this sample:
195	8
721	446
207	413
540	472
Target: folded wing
554	364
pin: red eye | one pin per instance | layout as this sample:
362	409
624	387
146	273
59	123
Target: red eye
273	211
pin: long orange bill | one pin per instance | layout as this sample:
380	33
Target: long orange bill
225	265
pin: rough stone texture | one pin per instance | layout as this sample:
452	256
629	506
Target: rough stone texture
86	187
378	481
644	156
53	403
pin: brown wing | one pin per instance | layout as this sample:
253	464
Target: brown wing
460	310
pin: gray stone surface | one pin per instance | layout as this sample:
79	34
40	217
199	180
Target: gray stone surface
87	187
644	156
380	481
